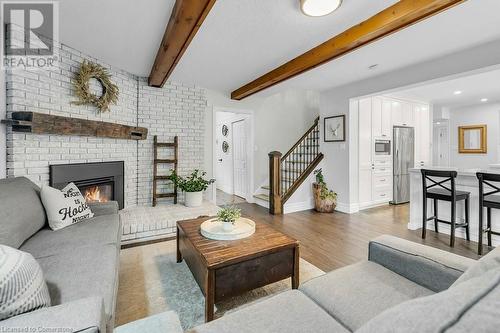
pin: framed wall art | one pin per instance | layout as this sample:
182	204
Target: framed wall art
334	129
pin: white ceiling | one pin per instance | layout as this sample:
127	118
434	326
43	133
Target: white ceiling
241	40
123	33
473	88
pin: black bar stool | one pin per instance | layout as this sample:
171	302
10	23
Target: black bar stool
439	190
488	200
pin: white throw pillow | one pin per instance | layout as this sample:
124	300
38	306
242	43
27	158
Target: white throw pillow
64	207
22	286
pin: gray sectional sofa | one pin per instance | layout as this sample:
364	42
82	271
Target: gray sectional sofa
402	287
79	262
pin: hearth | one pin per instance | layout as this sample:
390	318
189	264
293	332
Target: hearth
98	182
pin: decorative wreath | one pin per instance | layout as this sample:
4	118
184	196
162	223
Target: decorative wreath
89	70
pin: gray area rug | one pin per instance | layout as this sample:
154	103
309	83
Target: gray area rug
168	285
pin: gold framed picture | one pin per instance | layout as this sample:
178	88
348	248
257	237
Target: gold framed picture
472	139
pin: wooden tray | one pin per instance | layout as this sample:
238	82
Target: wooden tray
212	229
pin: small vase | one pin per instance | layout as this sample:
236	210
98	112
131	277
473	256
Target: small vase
228	226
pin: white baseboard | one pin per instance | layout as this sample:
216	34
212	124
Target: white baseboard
298	206
347	208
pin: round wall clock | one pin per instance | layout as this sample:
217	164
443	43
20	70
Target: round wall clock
225	147
225	130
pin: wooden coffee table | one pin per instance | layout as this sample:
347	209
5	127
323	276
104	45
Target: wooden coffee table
227	268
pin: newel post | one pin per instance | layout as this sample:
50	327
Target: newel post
275	201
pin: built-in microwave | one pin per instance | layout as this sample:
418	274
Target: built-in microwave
382	147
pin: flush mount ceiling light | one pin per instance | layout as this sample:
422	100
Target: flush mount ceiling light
319	7
484	100
458	92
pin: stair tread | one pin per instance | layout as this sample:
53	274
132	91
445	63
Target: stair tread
265	187
264	197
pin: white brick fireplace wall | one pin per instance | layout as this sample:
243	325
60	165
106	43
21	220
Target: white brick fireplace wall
173	110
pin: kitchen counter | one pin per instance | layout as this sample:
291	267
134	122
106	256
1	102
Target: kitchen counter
465	181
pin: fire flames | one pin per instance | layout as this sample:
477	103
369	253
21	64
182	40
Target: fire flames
93	194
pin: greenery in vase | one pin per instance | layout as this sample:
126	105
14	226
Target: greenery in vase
196	182
229	214
325	192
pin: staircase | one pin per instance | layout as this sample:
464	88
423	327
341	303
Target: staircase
287	172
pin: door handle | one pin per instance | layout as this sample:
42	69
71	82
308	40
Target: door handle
220	159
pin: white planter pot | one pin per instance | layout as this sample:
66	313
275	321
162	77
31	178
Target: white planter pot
194	199
228	226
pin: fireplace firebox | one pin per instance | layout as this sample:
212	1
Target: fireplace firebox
98	182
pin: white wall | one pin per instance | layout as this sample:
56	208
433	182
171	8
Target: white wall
279	121
475	115
3	131
336	101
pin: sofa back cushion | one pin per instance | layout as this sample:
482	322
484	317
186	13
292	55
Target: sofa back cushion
471	306
488	262
21	211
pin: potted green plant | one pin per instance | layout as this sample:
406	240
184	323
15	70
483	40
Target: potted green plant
193	186
325	200
228	217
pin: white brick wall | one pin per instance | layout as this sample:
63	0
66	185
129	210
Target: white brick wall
174	110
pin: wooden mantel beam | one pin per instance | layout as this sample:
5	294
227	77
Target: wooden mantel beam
392	19
187	17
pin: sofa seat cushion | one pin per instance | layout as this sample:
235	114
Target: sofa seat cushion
83	272
82	316
99	230
21	211
357	293
471	306
288	312
165	322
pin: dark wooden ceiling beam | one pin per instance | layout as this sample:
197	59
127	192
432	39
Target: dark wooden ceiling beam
185	20
392	19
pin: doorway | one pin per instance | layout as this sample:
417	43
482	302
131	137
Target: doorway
233	156
240	158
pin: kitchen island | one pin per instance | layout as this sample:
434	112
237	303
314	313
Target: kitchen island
465	181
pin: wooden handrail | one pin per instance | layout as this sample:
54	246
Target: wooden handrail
296	184
316	121
286	175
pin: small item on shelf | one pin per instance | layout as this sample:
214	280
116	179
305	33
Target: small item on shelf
228	217
325	200
193	186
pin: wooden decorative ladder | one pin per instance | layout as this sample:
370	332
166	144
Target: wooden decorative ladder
156	178
288	172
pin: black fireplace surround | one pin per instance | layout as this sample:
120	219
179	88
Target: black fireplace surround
85	175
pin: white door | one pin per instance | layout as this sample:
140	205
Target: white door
240	158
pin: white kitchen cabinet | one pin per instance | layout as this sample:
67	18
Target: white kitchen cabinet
377	116
381	119
422	135
401	112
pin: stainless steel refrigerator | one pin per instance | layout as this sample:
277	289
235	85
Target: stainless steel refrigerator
403	159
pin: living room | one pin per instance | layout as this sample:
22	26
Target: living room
193	166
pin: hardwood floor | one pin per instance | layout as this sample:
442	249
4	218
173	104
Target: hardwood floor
330	241
224	199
